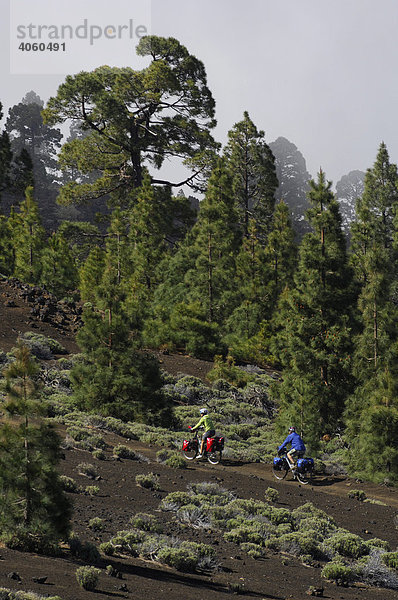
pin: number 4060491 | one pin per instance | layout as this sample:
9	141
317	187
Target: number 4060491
42	47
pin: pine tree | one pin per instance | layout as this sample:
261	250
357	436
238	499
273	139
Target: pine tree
371	413
35	513
28	240
253	296
252	167
151	222
59	272
91	273
196	293
116	378
314	340
215	241
281	250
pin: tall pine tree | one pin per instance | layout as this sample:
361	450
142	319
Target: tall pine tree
314	340
372	411
35	513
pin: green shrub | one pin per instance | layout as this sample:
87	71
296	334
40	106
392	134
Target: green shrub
122	451
96	524
339	573
107	548
149	481
70	485
178	558
253	550
83	550
271	495
6	594
98	454
346	544
88	470
176	461
378	543
390	559
357	494
146	522
87	577
243	534
92	490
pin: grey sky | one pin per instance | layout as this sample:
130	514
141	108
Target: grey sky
320	72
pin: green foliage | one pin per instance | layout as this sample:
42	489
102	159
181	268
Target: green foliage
88	470
121	106
357	494
338	572
271	495
84	550
346	544
116	379
58	273
96	524
226	369
391	560
251	164
123	451
92	490
149	481
87	577
28	240
146	522
314	320
35	512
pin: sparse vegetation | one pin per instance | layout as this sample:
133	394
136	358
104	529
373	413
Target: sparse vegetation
87	577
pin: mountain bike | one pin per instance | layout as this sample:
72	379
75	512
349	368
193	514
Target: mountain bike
213	451
303	470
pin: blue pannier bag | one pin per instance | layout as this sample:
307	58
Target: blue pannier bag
278	463
304	465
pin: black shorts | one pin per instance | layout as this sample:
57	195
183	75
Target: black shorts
296	453
210	433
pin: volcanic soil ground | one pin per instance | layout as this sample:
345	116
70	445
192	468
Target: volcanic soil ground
275	577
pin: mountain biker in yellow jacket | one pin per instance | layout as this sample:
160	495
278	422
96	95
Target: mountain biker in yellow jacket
207	423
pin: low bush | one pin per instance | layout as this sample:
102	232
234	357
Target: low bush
87	577
390	559
6	594
92	490
146	522
70	485
149	481
338	572
122	451
84	550
96	524
357	494
271	495
346	544
88	470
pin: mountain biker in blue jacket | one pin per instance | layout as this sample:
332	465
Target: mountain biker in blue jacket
297	446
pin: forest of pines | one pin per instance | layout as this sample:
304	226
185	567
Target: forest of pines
268	270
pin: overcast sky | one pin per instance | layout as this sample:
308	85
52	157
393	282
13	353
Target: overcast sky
322	73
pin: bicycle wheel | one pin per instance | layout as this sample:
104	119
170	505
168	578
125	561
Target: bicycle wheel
191	452
214	457
304	478
280	474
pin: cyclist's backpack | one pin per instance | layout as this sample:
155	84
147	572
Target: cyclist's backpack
305	465
188	444
215	444
278	463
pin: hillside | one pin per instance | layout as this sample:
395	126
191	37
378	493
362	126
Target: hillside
275	576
